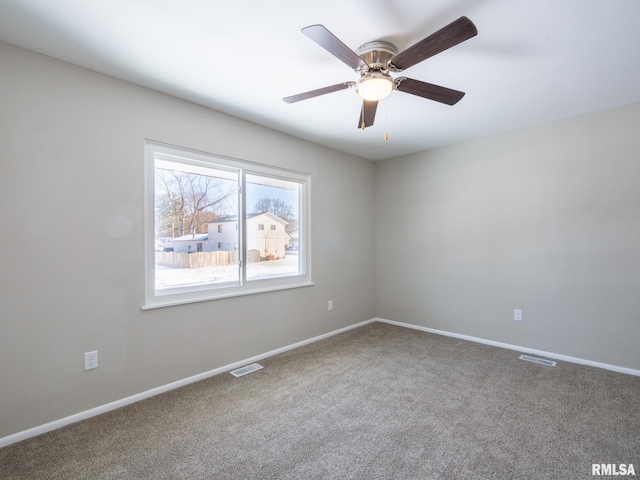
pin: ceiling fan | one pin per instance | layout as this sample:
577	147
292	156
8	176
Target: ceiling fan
374	61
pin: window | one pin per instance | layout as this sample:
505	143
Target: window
191	195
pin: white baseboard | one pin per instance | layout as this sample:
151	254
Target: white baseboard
557	356
47	427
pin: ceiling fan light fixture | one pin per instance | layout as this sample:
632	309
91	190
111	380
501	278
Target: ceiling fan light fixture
374	86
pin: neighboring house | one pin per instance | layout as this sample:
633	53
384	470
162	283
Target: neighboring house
223	233
164	244
265	233
294	241
194	242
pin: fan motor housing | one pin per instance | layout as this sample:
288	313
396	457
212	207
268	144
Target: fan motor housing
377	54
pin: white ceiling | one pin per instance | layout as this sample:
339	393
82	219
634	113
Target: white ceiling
533	61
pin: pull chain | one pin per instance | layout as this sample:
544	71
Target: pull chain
386	119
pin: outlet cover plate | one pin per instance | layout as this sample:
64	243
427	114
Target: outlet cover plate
91	360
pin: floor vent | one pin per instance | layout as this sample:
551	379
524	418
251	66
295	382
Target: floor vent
244	370
541	361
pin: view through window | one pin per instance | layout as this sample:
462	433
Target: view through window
272	226
223	226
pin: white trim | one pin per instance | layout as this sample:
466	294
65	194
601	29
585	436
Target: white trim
542	353
47	427
199	161
173	300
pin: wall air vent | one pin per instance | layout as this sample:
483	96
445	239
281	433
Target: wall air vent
244	370
541	361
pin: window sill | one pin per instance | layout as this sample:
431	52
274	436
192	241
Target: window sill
174	301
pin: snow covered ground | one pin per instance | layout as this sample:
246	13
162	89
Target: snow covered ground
167	277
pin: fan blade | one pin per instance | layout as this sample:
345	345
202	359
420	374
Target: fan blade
318	92
456	32
334	46
367	114
428	90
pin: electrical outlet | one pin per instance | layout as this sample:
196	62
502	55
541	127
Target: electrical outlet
91	360
517	315
330	305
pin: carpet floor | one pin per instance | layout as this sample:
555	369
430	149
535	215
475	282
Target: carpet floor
377	402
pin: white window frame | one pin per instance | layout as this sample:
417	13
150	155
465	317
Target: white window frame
182	295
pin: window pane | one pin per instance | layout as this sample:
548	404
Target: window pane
218	227
193	205
273	209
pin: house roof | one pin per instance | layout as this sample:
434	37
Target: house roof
231	218
234	218
192	237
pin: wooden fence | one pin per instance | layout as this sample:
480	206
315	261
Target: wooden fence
203	259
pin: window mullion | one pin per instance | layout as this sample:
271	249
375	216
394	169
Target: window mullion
242	225
268	210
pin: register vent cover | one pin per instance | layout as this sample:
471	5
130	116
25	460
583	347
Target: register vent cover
541	361
244	370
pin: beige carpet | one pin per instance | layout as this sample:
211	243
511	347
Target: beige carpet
378	402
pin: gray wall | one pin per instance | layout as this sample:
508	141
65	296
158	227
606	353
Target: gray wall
544	219
72	153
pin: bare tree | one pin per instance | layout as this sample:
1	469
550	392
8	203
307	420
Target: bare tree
277	207
186	201
280	209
